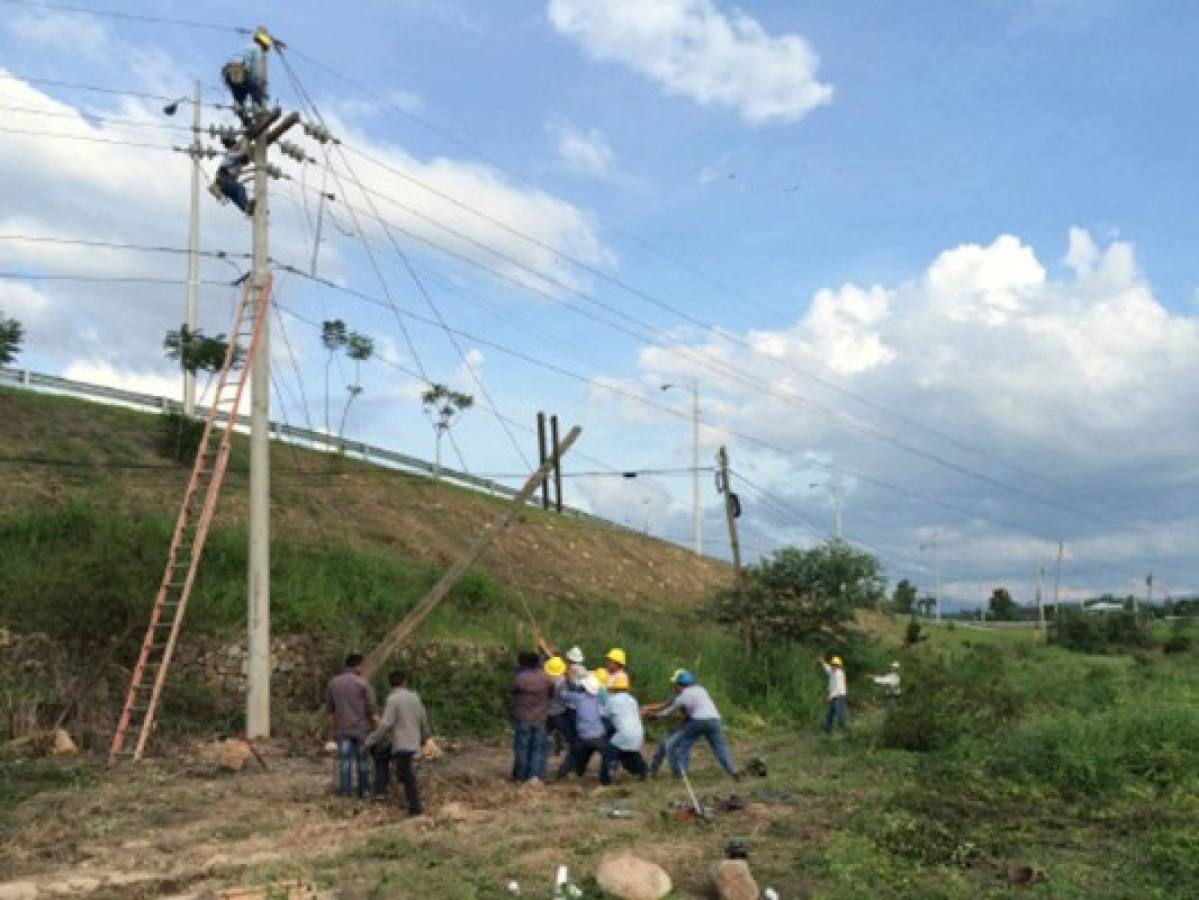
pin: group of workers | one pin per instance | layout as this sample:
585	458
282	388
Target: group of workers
560	708
245	77
559	703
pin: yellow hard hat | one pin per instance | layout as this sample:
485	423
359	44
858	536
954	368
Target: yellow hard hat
835	661
617	656
674	676
262	38
619	681
601	675
555	667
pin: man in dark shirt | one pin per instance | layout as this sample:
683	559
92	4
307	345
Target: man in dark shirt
352	715
531	690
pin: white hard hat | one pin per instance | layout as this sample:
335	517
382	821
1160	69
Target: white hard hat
591	685
574	655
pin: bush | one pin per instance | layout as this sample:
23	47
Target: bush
179	437
1099	632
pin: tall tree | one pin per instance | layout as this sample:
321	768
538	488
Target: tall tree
443	406
359	348
334	337
1002	607
903	600
12	334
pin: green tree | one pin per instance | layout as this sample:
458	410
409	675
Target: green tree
359	348
334	337
926	605
798	594
1002	607
11	336
443	406
903	600
195	351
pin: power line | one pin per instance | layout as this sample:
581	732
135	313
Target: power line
120	245
103	279
90	139
128	16
598	272
95	88
424	292
115	121
734	373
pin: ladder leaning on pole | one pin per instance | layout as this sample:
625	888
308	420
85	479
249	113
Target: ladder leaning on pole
191	530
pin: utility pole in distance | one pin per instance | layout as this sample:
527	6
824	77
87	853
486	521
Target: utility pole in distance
1040	601
264	131
732	509
1057	583
193	247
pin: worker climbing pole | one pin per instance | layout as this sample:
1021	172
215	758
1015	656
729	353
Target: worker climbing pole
246	145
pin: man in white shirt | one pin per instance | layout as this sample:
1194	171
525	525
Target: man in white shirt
703	720
838	711
890	681
628	735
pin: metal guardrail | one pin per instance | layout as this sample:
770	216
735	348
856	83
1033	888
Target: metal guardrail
282	431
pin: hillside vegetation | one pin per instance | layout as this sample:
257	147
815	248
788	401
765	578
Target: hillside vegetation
1006	759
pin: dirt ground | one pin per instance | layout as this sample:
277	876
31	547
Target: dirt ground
180	827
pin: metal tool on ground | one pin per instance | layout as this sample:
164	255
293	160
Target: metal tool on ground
700	812
191	531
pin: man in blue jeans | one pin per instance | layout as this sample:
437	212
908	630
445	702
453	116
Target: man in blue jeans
531	692
352	714
838	695
703	721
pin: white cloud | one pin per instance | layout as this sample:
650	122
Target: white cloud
1083	377
586	152
146	382
692	49
85	35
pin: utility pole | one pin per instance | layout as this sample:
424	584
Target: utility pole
935	544
732	509
1149	589
193	247
697	517
1040	603
261	134
1057	582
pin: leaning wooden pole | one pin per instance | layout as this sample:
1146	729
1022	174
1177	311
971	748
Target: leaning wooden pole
377	657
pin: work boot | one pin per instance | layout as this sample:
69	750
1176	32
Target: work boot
215	190
250	207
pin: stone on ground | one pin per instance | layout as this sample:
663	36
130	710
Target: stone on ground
630	877
230	755
61	743
734	881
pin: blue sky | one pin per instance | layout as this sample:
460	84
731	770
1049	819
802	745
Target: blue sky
974	217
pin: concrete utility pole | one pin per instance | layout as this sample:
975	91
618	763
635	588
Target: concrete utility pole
1057	582
193	245
261	135
1149	589
697	516
1040	603
935	544
731	511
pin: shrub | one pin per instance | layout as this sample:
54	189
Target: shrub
1099	632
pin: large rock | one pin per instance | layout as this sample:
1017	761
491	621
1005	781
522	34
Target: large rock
61	744
734	881
629	877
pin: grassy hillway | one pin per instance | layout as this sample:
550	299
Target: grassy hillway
1005	756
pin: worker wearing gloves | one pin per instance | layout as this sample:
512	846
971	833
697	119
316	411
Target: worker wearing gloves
243	74
668	743
889	682
703	721
627	737
589	732
558	721
838	694
228	185
405	726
